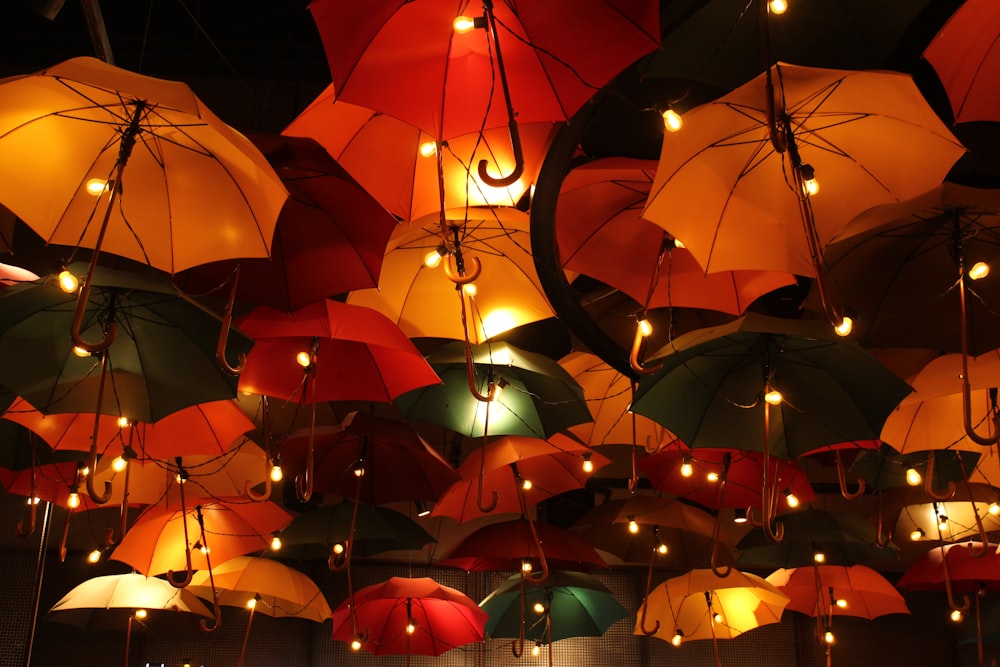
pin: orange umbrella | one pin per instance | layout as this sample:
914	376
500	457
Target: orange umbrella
868	137
397	162
424	301
838	590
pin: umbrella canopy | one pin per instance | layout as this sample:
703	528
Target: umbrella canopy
279	590
552	466
446	82
163	540
856	590
353	353
870	134
507	545
398	163
966	60
971	567
886	468
600	234
394	461
574	604
687	605
540	398
424	301
162	361
962	514
329	239
188	188
444	618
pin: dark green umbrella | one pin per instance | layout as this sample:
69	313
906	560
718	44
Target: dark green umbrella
538	398
885	468
572	604
843	539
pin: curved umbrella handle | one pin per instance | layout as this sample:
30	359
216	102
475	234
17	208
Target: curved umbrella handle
979	552
929	483
227	321
842	480
266	494
189	571
110	333
515	136
774	530
304	482
633	357
216	608
463	277
109	537
517	645
268	464
544	574
98	498
64	536
645	600
486	508
970	430
713	563
218	615
25	530
881	540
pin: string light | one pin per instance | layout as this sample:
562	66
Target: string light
672	120
979	271
588	465
913	477
677	638
687	468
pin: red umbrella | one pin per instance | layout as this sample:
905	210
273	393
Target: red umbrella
508	545
394	461
329	239
407	60
838	590
551	466
398	163
965	57
378	618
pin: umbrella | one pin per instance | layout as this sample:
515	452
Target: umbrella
131	593
600	234
967	512
778	386
517	472
539	397
553	58
398	163
886	468
567	604
264	585
870	134
394	462
964	58
329	239
377	618
700	605
426	302
166	359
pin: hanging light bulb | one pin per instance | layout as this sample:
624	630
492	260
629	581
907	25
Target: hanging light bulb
773	397
526	485
275	543
119	463
123	422
845	327
356	644
94	556
677	638
68	282
809	184
739	515
687	468
956	616
717	618
841	603
73	500
303	359
791	499
526	566
942	522
432	260
252	603
411	626
913	477
819	557
338	548
536	650
498	390
96	186
358	468
979	271
712	476
428	149
80	352
645	328
588	465
277	474
917	534
672	120
994	508
538	608
633	525
828	637
141	613
662	548
464	24
778	6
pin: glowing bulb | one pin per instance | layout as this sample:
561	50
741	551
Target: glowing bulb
662	549
994	508
677	638
123	422
845	327
470	289
645	328
73	501
687	469
526	566
204	549
355	644
841	603
633	526
303	359
956	616
778	6
672	120
917	535
712	476
588	465
536	650
96	186
80	352
913	477
119	464
463	24
819	557
773	397
740	516
275	543
942	522
828	637
428	149
539	608
338	548
979	270
252	603
791	499
94	556
811	186
276	473
526	484
141	613
411	627
84	471
68	282
432	260
717	618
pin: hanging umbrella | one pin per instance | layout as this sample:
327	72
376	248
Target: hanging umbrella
539	397
699	605
129	594
886	468
445	82
515	473
394	462
777	386
329	239
600	234
870	134
398	163
963	54
377	618
967	512
566	605
426	302
261	585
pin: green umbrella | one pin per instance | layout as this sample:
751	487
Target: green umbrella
572	604
885	468
538	398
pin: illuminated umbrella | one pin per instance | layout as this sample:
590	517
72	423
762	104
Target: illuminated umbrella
491	245
398	163
963	512
870	134
378	618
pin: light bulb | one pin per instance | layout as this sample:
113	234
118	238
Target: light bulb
717	618
791	499
841	603
994	508
739	516
73	501
539	608
819	557
778	6
275	543
526	484
303	359
123	422
588	465
773	397
432	260
633	526
536	650
526	566
355	644
84	471
94	556
338	548
470	289
913	477
119	464
828	637
712	476
956	616
677	638
276	473
662	548
358	469
811	186
428	149
252	603
80	352
463	24
411	627
942	522
645	328
979	271
687	469
96	186
68	282
845	327
916	535
672	120
204	549
141	613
